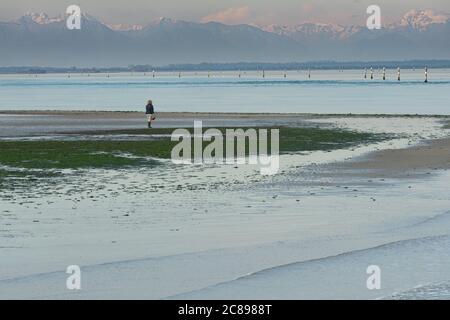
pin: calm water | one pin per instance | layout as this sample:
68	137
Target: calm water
326	92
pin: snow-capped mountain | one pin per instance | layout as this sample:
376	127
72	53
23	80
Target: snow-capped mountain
421	20
40	18
418	34
37	39
125	27
306	29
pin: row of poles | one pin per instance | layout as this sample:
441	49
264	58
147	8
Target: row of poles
209	74
398	74
309	74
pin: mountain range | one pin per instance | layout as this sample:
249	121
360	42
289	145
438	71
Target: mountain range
40	40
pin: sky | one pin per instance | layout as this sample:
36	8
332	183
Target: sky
258	12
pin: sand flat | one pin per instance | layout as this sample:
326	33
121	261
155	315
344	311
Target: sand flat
203	228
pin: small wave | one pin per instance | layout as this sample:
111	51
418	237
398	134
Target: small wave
432	291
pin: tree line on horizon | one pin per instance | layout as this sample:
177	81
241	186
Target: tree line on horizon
243	66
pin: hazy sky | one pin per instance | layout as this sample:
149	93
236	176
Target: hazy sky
260	12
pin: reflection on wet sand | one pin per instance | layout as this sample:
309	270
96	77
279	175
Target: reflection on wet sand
161	231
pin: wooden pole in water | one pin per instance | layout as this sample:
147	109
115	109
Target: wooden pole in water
365	73
384	73
426	74
398	73
371	73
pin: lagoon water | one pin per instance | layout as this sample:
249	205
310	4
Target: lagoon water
330	91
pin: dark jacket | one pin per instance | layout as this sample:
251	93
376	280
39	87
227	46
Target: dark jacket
149	109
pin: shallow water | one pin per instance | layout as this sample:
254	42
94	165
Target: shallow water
171	231
326	92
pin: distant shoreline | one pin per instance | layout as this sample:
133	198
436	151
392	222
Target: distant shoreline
242	66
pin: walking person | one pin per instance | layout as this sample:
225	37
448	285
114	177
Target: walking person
150	111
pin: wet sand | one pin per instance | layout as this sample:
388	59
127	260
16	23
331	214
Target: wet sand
284	230
20	123
416	161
